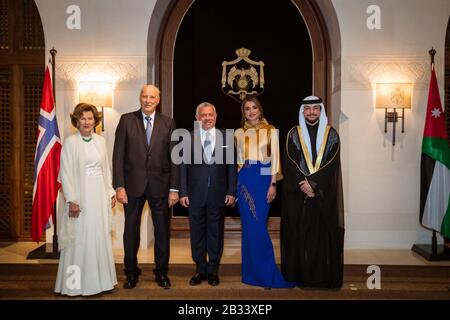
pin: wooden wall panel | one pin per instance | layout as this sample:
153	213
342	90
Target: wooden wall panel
5	151
21	76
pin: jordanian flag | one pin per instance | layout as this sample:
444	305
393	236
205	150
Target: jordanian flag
435	166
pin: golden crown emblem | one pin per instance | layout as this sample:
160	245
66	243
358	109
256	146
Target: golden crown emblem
241	76
243	52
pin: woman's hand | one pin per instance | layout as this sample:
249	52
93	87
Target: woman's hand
271	193
74	210
113	201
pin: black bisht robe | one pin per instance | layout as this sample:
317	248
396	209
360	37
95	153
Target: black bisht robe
312	229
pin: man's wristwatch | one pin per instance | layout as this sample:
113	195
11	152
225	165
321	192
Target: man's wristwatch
274	184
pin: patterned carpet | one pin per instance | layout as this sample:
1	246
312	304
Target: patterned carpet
36	281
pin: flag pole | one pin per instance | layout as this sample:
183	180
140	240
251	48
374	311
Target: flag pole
432	53
43	252
431	253
53	52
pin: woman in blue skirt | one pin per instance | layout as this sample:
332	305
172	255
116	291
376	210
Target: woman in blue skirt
259	169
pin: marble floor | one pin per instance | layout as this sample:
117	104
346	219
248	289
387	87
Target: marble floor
16	252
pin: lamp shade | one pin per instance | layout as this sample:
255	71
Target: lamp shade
97	93
393	95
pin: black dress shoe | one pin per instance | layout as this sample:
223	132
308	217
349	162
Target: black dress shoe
213	279
162	280
197	279
131	281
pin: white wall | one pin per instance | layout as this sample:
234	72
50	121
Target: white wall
382	181
112	44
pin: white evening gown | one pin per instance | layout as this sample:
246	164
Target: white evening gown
92	250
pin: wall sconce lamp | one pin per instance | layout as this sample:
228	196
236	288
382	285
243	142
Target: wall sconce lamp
97	93
393	96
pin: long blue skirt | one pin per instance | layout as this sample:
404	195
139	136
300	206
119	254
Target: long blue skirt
258	259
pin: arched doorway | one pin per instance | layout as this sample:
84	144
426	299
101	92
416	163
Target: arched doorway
164	27
21	76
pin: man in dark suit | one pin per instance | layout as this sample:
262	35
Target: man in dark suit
143	171
207	185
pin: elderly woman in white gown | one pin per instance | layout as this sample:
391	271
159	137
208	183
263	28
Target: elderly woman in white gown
86	263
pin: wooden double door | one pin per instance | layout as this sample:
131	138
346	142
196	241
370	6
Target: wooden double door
199	35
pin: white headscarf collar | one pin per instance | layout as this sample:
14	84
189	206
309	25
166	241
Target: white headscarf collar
323	122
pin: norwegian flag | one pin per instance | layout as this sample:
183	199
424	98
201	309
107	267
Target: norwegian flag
46	162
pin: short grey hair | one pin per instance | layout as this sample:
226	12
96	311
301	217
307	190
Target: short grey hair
151	86
204	105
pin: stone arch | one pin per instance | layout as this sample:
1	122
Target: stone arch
323	27
319	16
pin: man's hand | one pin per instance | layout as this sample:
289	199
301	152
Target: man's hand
173	198
229	200
306	188
121	195
310	194
184	201
74	210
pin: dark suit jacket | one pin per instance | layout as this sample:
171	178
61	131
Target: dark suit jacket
136	165
194	177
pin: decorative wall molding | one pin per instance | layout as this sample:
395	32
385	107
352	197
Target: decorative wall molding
125	71
362	73
336	75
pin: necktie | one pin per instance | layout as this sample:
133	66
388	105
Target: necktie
148	129
207	147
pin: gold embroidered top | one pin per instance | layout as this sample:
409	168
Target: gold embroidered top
259	143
